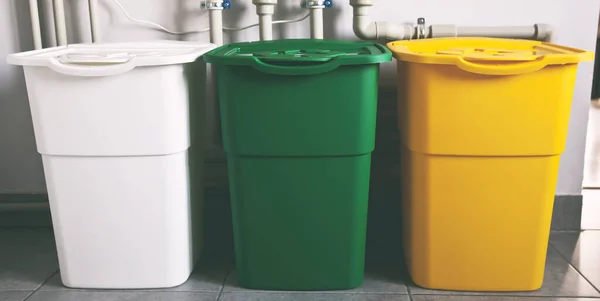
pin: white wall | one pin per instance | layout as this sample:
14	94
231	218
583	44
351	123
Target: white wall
20	165
574	22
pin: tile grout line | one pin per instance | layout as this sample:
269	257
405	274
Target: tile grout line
42	284
506	295
336	292
224	282
29	295
410	296
575	268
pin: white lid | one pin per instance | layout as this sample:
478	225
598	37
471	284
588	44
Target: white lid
110	58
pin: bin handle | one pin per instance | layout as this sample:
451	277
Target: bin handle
322	67
74	69
502	69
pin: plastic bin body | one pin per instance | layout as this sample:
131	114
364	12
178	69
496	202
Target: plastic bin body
111	235
480	152
298	140
115	144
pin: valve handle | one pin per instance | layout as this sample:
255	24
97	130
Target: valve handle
316	3
224	4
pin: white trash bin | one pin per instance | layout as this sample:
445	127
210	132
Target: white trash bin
112	123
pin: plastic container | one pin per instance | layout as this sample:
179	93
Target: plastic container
298	119
483	123
111	122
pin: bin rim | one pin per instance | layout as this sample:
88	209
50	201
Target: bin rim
105	59
503	57
372	53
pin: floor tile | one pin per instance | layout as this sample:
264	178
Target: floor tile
560	279
271	296
581	249
121	296
492	298
13	296
390	280
27	258
208	276
380	279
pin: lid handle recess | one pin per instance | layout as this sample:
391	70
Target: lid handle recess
74	68
495	68
316	68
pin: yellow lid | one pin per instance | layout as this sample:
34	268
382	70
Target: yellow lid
488	55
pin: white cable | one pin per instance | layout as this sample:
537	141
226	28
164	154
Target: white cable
274	22
160	27
152	24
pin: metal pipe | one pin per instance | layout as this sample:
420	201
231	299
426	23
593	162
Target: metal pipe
60	23
35	24
94	20
316	22
215	16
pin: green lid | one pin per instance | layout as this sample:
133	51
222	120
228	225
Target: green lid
299	56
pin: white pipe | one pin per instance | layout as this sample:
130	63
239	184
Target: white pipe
215	16
522	32
367	30
35	24
540	32
94	20
515	32
60	23
316	22
265	10
265	27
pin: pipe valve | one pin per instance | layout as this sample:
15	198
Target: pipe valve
316	3
421	30
218	4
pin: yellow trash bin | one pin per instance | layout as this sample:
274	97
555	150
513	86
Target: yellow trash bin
483	124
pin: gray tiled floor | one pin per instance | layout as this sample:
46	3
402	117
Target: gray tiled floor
560	279
29	271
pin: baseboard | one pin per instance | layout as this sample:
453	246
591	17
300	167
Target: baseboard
32	210
12	202
567	213
24	210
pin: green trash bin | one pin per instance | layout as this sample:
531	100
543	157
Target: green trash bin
298	122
